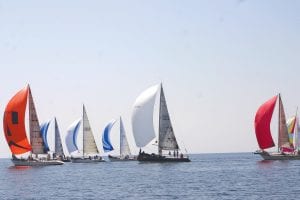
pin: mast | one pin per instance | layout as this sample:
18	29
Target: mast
279	116
83	135
159	122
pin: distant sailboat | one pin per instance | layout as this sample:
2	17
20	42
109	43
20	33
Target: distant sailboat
58	152
15	131
89	151
286	149
125	154
143	128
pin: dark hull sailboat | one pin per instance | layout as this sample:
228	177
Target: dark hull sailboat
143	128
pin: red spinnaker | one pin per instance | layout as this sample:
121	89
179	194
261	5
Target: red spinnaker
262	124
14	124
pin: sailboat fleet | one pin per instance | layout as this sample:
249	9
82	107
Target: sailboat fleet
33	149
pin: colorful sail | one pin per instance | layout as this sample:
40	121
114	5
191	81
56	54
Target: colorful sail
291	124
167	139
283	137
14	123
44	132
71	138
36	140
262	124
107	146
142	117
124	147
58	145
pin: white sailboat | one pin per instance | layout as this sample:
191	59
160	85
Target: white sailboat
143	128
90	151
15	132
125	153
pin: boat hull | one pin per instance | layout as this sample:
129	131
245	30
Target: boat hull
278	156
118	159
86	160
144	157
36	162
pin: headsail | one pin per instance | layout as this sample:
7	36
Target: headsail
14	123
36	139
71	138
142	117
291	124
89	144
58	145
167	139
124	147
283	137
262	124
107	146
44	132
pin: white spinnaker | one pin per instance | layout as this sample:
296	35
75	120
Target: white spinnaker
142	116
89	144
71	136
124	147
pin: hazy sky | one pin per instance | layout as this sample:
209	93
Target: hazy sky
218	61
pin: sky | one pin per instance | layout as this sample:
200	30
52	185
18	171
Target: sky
218	62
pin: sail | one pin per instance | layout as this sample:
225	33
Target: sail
36	140
107	146
262	124
167	140
44	132
297	136
71	138
14	123
283	137
89	144
291	124
142	117
124	147
58	145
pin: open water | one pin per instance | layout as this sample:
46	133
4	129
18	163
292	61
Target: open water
208	176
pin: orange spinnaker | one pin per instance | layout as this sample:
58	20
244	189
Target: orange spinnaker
14	123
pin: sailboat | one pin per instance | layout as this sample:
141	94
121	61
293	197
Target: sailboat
143	128
89	148
125	154
58	152
15	132
286	150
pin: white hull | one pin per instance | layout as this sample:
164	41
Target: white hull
278	156
86	160
36	162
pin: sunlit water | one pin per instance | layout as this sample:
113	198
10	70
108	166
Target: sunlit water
208	176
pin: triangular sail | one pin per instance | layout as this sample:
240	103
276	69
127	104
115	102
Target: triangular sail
44	132
71	137
58	145
291	124
36	139
107	146
124	147
297	135
262	124
167	139
14	123
283	137
89	144
142	117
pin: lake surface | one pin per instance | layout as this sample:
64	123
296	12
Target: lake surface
208	176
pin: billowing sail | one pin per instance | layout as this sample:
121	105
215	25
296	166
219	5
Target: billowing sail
142	117
36	139
107	146
124	147
71	138
58	145
291	124
167	140
262	124
44	132
14	123
283	137
89	144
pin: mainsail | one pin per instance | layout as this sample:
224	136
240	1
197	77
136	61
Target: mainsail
142	117
44	132
107	146
36	139
291	124
14	123
283	137
262	123
71	138
167	139
58	145
124	147
89	144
